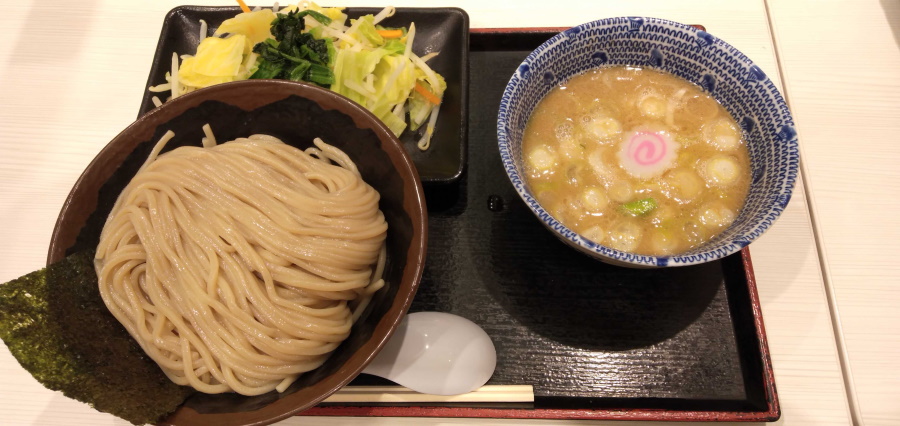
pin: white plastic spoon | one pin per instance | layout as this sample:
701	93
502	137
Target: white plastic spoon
436	353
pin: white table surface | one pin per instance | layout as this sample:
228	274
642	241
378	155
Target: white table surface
841	64
72	76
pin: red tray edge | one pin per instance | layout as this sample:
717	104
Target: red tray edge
772	413
555	414
774	406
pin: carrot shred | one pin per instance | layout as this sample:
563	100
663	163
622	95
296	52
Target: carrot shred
243	6
428	95
390	33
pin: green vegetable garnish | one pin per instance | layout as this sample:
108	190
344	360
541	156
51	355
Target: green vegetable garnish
293	54
320	74
640	207
366	27
56	325
394	46
371	64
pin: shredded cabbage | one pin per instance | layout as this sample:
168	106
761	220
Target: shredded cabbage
366	60
256	26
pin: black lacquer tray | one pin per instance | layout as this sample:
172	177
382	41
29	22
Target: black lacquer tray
595	341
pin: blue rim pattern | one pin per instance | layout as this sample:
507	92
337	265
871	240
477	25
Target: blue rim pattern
694	55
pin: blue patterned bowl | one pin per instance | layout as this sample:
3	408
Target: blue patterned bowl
695	55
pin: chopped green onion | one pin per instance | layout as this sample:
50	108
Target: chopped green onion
640	207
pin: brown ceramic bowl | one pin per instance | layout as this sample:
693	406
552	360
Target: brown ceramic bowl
296	113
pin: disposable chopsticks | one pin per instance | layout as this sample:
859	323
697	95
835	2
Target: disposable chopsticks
491	393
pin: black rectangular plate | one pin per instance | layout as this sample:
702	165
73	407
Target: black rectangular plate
595	340
444	30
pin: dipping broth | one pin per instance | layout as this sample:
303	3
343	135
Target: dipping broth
637	160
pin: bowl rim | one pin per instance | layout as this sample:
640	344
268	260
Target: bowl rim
609	254
67	228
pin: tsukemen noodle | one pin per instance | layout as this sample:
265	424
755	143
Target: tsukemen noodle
239	266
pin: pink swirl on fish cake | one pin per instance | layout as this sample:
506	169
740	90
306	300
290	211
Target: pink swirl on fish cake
646	154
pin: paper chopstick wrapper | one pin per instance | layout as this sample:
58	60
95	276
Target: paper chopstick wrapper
491	393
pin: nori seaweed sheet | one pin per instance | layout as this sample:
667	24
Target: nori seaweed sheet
58	328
